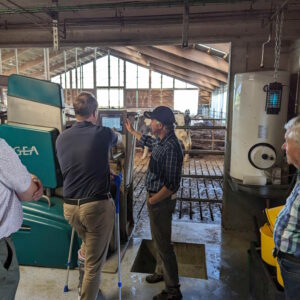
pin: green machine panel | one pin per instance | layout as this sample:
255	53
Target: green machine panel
37	90
44	238
36	149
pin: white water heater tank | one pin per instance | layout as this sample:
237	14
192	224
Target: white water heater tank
257	137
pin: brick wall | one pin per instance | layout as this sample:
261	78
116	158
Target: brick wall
149	98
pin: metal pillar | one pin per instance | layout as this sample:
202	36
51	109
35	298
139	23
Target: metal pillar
46	64
95	73
119	83
65	67
161	88
81	75
137	86
0	62
108	57
150	88
76	73
17	61
1	89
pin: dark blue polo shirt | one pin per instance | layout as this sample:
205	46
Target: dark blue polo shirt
83	156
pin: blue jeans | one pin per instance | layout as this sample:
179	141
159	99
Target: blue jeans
290	272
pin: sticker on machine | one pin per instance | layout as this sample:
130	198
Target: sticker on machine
262	132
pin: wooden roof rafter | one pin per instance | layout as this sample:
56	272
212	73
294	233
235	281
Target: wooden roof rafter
122	52
172	69
181	62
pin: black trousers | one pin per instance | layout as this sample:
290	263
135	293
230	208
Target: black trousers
160	215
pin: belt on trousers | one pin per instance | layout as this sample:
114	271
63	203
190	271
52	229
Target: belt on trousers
291	257
85	200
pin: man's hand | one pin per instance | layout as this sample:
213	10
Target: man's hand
112	175
129	126
162	194
39	192
151	200
34	191
130	129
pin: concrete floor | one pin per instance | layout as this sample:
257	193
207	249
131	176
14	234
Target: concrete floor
226	259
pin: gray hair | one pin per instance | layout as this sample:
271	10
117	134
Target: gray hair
293	129
169	127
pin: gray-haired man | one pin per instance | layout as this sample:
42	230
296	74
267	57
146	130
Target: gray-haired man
16	184
287	226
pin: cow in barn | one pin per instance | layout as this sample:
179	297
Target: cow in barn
183	135
144	126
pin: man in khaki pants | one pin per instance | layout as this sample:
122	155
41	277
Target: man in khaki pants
83	153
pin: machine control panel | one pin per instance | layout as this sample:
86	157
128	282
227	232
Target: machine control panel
113	119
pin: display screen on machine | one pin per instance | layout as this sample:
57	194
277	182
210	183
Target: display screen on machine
112	122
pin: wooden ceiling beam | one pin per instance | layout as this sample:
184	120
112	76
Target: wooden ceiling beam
32	63
197	56
60	65
181	62
211	23
187	79
11	54
123	52
171	67
185	73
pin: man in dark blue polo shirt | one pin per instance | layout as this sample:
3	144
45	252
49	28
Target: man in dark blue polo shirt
83	155
162	182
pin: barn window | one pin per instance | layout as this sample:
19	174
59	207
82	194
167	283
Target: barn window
186	99
102	71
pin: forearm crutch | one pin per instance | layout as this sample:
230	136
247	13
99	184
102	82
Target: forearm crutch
66	288
118	180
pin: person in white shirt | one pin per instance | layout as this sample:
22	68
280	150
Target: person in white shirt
16	185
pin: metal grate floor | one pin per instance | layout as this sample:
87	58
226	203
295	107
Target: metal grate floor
199	198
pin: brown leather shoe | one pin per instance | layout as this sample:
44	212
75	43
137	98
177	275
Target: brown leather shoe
154	278
165	295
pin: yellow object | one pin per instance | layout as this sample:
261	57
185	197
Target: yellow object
279	278
272	214
267	245
267	242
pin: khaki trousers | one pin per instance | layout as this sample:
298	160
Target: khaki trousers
160	215
9	270
94	223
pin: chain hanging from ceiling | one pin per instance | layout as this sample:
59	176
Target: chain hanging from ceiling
278	34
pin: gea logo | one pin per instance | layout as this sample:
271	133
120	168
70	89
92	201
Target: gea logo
26	151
